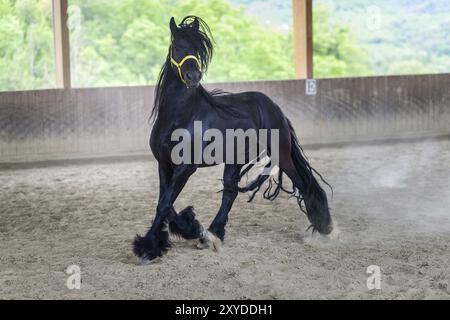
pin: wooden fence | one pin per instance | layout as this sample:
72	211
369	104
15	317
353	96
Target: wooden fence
80	123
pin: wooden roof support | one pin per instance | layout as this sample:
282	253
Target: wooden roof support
303	38
62	43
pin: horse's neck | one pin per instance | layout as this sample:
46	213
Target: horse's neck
178	99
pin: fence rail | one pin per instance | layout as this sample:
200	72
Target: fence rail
77	123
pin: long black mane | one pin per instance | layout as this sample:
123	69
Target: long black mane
203	41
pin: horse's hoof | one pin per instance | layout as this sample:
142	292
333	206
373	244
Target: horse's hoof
335	233
202	245
209	241
144	261
149	248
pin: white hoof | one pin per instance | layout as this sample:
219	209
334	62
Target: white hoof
209	241
144	261
202	244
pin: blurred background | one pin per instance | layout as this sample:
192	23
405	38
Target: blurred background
125	42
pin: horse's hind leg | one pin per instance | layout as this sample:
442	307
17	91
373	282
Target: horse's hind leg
314	196
184	224
215	234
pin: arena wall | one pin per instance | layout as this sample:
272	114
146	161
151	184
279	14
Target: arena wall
97	122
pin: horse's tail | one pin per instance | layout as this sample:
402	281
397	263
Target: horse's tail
311	197
309	192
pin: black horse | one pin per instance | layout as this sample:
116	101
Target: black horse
180	100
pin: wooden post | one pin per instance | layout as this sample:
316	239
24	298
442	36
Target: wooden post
62	44
303	38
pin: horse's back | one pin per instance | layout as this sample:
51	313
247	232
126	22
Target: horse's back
256	104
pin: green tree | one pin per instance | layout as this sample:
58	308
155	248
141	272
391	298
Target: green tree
125	42
132	38
336	52
26	45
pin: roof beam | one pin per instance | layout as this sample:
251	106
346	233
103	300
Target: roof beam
303	38
62	43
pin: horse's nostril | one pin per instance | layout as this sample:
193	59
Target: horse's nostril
188	76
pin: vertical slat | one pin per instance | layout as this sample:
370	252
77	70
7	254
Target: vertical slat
303	38
62	43
3	120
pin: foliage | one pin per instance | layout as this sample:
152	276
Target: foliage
336	53
26	45
125	42
409	36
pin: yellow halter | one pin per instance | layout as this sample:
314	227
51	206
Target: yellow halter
180	65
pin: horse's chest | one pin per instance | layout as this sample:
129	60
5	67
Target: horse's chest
161	140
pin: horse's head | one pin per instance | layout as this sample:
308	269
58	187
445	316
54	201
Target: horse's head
191	50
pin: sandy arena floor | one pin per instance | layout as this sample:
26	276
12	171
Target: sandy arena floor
392	204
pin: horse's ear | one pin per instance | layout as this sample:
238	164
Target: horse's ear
173	26
196	24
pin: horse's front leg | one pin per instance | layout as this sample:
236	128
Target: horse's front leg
214	236
156	242
183	224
